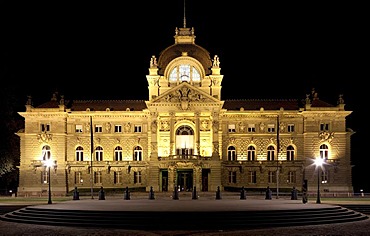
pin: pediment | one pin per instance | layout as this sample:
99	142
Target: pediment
185	92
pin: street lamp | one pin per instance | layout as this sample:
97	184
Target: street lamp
318	162
49	163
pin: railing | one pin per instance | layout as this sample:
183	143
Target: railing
184	157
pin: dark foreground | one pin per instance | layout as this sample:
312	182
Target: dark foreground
358	227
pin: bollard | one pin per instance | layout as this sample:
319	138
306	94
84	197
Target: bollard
194	194
175	194
218	193
127	194
76	194
151	193
242	193
101	194
268	193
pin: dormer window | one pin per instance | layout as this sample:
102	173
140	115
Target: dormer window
184	72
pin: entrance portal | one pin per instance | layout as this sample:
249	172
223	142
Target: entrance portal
185	180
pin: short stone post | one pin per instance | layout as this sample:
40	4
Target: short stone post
175	195
101	194
127	194
76	194
151	193
242	194
218	193
268	193
194	194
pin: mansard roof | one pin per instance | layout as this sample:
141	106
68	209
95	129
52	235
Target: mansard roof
266	104
112	105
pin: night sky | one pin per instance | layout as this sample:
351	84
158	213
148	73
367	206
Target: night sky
96	50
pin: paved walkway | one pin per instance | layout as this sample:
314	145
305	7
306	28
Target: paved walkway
186	204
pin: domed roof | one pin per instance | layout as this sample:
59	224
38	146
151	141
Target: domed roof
184	42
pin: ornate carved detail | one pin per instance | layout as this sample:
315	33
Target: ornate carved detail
326	136
44	137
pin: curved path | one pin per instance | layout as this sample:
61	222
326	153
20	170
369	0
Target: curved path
183	214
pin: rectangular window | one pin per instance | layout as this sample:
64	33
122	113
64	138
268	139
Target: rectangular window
137	177
78	128
252	177
78	177
98	128
251	128
137	129
232	128
232	177
98	177
117	178
291	177
271	128
324	127
118	129
290	128
271	177
45	127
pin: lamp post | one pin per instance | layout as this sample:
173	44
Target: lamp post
49	163
318	162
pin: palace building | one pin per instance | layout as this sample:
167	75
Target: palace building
184	136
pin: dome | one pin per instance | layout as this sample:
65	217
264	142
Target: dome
184	42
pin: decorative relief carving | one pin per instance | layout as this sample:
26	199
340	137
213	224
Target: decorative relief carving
164	125
44	137
326	136
215	126
241	127
87	127
185	94
204	125
262	127
108	126
154	126
127	127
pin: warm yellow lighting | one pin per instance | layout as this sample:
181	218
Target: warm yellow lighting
49	163
319	162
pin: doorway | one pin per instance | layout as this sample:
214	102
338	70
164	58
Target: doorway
185	180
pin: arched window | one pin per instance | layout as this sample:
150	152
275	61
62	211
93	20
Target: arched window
79	154
46	153
270	153
184	141
184	72
138	153
251	153
99	153
324	151
290	153
231	153
118	153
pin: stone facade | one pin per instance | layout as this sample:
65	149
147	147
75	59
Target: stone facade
184	136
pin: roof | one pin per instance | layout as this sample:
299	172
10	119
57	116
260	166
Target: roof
176	50
266	104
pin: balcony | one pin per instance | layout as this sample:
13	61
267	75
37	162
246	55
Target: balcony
184	157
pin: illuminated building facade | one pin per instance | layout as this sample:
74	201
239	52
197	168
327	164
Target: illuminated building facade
184	136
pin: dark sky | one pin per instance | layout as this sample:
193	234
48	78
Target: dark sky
101	50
